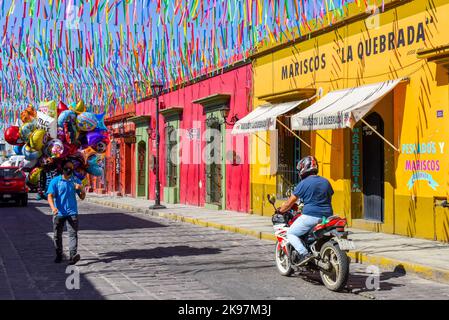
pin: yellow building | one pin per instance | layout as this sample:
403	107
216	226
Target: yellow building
387	158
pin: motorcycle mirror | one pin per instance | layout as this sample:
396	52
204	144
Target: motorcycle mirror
271	199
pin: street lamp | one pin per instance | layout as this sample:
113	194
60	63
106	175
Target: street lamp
157	90
224	115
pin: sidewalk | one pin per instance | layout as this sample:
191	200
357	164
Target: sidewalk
428	259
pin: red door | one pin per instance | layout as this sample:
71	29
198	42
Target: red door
128	173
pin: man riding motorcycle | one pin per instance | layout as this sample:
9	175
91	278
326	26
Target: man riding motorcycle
316	193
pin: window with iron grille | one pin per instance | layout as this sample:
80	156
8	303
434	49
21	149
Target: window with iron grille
214	174
290	151
171	149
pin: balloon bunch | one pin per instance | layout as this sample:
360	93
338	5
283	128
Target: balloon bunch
54	133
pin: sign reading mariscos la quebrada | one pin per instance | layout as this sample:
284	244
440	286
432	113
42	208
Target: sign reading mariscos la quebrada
326	121
371	46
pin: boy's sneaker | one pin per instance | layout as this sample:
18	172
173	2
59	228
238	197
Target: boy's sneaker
73	260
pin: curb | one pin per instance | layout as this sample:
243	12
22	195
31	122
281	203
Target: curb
423	271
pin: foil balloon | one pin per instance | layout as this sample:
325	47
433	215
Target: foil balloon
86	121
49	108
101	146
100	121
61	107
88	152
78	160
92	166
69	150
79	107
31	154
48	123
96	136
61	135
28	115
27	129
18	150
66	116
67	121
95	170
38	139
35	176
54	148
12	136
57	149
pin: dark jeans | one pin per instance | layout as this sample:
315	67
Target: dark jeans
72	228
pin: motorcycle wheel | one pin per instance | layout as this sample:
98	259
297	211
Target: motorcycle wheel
283	262
334	279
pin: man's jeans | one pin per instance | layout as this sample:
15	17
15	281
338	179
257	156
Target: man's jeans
301	226
72	228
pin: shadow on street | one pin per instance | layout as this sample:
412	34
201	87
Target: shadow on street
27	253
114	221
360	283
154	253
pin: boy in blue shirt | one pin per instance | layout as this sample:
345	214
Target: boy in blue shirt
62	193
316	193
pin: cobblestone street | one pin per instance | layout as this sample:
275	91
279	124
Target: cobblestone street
134	256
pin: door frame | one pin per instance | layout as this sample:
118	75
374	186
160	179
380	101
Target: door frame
142	123
144	169
381	219
217	106
172	117
217	115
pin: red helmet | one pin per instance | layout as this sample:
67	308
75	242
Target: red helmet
307	166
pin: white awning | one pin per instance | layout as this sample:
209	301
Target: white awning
342	108
263	118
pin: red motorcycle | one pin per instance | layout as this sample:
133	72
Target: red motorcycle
327	242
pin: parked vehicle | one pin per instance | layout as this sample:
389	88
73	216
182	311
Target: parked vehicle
13	161
327	242
13	186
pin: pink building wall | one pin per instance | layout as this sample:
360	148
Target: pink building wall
237	83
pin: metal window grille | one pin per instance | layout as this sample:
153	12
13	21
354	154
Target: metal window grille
172	168
289	153
213	169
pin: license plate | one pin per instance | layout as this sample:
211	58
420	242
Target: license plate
345	244
7	196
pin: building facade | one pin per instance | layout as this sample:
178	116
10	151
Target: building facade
201	163
389	168
119	177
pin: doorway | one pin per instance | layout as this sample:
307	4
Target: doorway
373	169
128	173
214	174
141	168
117	167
